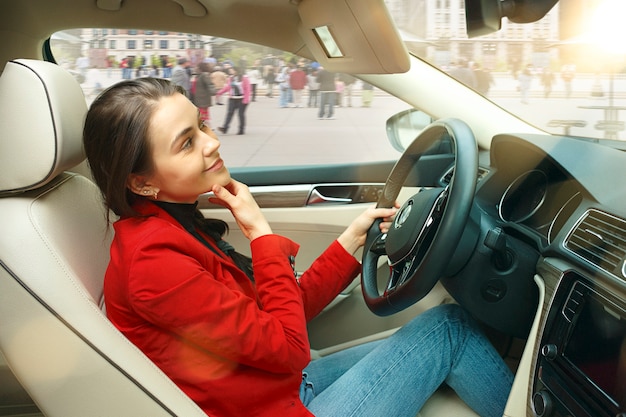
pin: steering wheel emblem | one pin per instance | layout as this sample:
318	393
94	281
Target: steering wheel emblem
403	215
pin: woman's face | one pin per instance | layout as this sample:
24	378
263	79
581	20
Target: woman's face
185	153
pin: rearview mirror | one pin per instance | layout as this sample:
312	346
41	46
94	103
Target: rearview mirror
485	16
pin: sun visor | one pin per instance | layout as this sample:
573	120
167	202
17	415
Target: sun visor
353	36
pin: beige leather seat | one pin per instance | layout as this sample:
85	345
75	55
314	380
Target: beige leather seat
54	246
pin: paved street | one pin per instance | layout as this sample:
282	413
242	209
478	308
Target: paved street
296	136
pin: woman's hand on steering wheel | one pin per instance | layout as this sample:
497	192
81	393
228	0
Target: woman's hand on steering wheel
355	235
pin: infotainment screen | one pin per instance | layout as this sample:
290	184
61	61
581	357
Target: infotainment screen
597	346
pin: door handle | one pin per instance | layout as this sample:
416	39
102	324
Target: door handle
318	198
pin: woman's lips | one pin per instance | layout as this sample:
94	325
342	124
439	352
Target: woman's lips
216	166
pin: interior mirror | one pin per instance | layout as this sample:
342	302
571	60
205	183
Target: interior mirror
403	127
482	17
485	16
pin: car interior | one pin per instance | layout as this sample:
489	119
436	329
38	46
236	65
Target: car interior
529	234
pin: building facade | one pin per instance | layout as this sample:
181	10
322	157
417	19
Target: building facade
110	47
440	24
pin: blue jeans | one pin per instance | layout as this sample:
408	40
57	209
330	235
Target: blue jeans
395	376
285	97
327	99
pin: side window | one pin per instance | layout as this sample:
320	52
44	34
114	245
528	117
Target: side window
282	93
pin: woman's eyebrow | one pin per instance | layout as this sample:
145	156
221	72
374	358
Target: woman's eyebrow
181	135
184	132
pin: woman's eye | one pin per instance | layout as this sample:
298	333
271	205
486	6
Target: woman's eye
187	144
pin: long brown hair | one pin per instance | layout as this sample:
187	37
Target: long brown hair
115	137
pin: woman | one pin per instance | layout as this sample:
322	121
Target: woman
239	91
230	333
203	92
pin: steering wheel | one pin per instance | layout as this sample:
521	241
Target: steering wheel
426	230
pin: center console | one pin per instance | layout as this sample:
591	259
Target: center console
581	368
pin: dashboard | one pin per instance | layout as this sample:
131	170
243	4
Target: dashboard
563	199
530	190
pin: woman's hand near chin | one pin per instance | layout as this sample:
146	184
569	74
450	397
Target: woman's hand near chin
236	197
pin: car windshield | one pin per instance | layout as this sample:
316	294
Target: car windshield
563	73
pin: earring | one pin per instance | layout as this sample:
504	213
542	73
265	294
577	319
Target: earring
156	195
145	191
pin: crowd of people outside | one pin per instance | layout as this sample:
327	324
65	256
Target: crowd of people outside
481	79
324	90
297	83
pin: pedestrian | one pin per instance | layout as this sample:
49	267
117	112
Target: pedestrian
93	80
567	75
314	87
167	67
525	80
204	92
348	82
547	79
254	75
154	71
326	79
270	80
181	76
239	91
230	331
284	86
367	94
339	89
484	79
297	82
218	78
126	71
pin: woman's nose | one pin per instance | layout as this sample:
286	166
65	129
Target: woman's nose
211	144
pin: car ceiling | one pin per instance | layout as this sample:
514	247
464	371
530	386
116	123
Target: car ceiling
363	28
274	22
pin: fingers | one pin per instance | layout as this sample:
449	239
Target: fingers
387	216
226	195
236	197
222	196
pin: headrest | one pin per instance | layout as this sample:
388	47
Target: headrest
41	124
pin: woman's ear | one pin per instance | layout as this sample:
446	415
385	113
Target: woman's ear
138	185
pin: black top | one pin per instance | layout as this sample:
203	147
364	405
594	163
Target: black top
184	213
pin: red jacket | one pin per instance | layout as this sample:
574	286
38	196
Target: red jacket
236	348
297	79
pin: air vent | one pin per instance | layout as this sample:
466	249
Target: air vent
600	238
